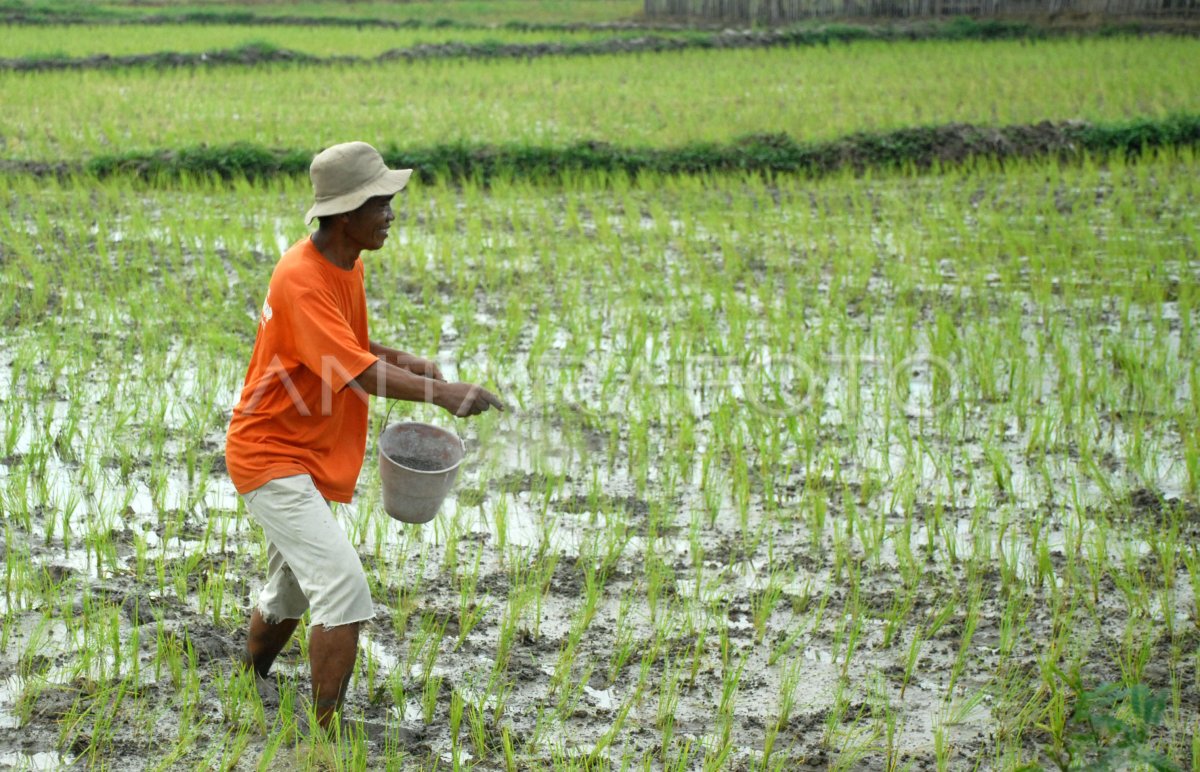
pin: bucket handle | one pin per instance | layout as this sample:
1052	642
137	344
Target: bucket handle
392	405
387	416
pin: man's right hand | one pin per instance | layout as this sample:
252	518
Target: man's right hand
465	399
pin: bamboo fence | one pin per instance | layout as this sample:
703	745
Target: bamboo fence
776	12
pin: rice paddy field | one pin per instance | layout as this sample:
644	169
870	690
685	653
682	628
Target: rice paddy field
814	93
43	42
885	470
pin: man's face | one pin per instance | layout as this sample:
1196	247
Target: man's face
368	225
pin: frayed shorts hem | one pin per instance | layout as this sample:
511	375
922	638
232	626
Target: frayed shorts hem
274	619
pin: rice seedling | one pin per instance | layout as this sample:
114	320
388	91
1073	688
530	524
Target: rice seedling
652	547
48	43
864	87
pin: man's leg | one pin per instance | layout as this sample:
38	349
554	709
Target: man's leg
331	653
319	566
265	641
281	599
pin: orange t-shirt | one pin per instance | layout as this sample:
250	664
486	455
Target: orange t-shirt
296	414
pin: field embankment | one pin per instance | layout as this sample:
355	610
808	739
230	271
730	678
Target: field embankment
527	14
918	148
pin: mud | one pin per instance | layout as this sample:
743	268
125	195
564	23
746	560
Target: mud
42	690
48	16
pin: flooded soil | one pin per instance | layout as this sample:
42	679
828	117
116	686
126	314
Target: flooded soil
818	569
173	654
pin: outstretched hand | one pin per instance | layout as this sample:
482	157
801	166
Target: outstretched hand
466	399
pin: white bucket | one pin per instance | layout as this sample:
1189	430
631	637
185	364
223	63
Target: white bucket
418	464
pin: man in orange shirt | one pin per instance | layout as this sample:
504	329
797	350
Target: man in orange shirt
298	433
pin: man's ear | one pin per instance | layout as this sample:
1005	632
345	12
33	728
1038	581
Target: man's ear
332	222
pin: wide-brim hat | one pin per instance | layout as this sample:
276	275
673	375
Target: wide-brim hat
345	176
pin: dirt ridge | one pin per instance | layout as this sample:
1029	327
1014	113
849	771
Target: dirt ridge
919	148
49	17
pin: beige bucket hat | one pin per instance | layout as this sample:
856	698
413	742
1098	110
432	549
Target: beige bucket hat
345	176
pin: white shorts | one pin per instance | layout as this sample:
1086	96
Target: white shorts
310	562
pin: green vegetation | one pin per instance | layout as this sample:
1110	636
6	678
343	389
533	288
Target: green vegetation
364	42
688	448
1111	728
46	43
855	396
142	46
809	93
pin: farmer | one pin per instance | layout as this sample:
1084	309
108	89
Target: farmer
299	430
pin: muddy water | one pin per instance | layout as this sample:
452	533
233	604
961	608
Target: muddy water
549	484
512	465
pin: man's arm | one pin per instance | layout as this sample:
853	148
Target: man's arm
462	399
407	361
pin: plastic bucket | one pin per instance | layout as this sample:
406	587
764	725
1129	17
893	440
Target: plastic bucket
418	464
